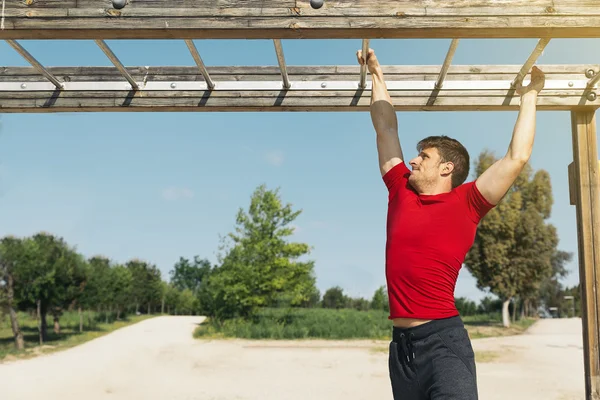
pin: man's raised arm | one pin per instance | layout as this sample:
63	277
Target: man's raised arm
498	178
383	116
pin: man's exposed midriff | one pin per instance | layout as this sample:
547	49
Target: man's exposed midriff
409	322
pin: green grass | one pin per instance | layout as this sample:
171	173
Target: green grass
302	324
486	356
483	326
69	336
336	324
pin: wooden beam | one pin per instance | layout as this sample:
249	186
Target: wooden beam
314	88
586	172
296	19
573	183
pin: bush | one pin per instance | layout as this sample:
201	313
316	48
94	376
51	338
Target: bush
273	323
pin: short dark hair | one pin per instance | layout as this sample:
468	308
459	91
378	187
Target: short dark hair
451	150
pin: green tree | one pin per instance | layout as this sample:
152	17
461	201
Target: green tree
514	245
121	284
465	306
146	288
261	268
48	277
98	292
549	291
359	303
10	253
190	275
171	299
380	300
334	298
187	302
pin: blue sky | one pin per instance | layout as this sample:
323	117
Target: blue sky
158	186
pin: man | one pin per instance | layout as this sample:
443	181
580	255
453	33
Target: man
431	224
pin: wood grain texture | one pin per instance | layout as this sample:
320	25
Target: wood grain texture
295	19
239	99
298	73
587	198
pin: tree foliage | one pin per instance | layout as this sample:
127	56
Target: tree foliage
190	275
261	268
514	245
334	298
380	300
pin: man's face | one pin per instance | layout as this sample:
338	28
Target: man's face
425	169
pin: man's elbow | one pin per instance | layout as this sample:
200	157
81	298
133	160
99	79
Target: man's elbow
518	158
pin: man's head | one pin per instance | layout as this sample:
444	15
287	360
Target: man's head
440	160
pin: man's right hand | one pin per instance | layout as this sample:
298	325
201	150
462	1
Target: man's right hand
383	115
372	62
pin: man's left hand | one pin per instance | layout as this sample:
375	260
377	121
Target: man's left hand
538	80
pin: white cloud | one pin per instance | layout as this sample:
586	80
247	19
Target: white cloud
275	157
175	193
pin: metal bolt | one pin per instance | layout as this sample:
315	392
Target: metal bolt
316	4
118	4
23	85
173	85
571	84
323	85
591	96
590	73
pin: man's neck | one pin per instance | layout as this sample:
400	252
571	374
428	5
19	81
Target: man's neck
439	188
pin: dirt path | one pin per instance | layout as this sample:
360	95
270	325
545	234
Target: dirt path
544	363
158	359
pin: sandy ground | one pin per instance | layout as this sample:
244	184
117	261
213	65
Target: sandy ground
159	359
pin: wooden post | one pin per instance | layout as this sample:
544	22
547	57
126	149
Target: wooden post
586	188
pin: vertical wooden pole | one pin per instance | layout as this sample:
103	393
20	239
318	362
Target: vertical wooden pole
586	188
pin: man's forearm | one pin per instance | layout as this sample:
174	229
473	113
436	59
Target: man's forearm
521	144
382	111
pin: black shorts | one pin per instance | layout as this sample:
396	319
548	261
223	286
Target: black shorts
433	361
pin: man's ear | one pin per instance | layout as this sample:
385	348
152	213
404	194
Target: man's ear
448	168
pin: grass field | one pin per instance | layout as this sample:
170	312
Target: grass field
491	326
337	325
94	326
268	324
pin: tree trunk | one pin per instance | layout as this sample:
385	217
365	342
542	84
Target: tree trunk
162	308
18	335
14	322
169	310
56	324
42	326
118	313
505	313
149	309
80	320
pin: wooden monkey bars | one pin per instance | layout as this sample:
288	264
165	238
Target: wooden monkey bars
336	88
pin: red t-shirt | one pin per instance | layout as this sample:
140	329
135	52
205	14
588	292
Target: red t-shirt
428	237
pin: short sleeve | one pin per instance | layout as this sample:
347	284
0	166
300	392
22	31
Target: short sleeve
396	179
477	205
